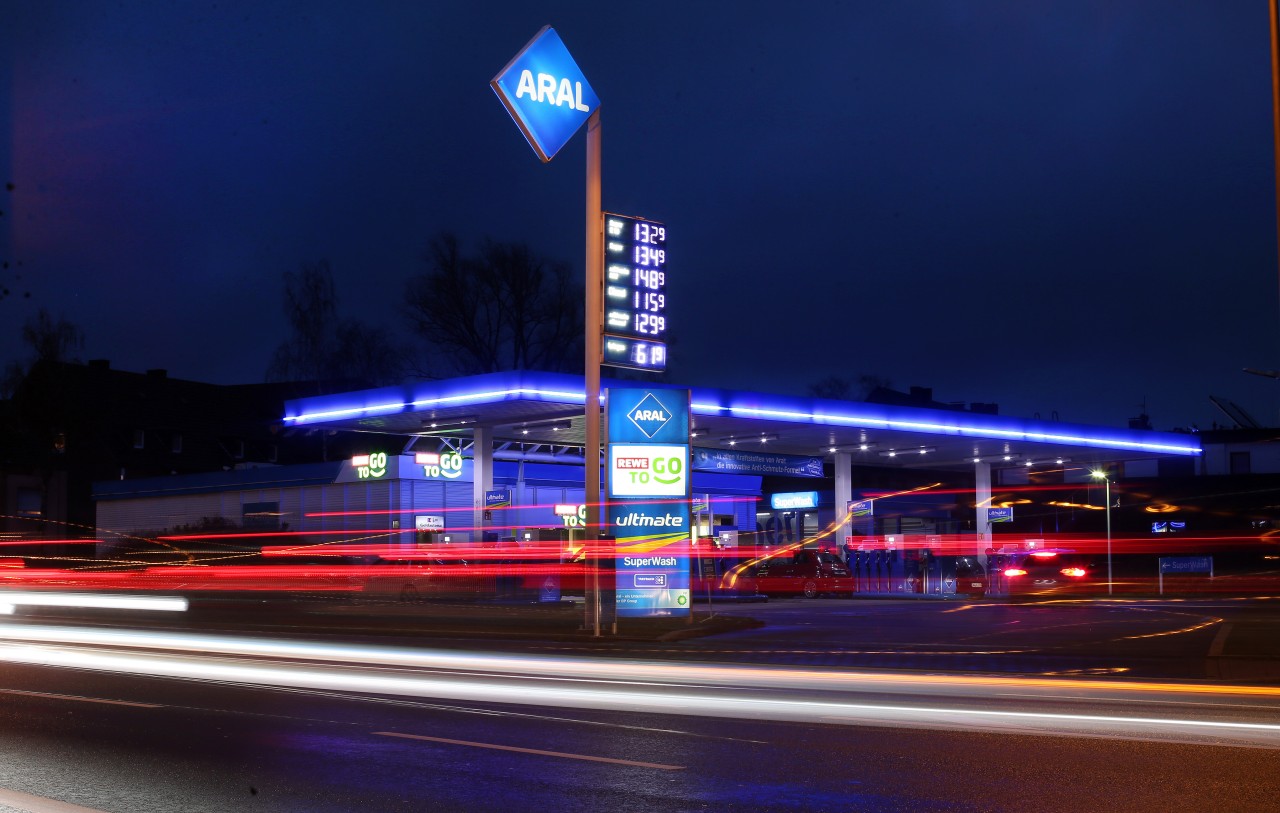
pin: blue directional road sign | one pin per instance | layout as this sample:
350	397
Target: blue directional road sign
545	93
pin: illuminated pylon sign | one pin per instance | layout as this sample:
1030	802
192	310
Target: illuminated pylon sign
545	93
649	485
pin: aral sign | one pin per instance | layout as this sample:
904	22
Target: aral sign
545	93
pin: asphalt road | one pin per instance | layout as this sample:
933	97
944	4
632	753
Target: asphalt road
122	743
831	705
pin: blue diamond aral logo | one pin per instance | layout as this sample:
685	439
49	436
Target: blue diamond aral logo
649	415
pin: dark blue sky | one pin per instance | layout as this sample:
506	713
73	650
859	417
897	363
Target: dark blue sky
1059	207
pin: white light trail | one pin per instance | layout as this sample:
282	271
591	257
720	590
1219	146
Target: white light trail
621	694
630	684
588	668
9	600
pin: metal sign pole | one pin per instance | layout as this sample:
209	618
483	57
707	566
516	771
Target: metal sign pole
593	328
1110	581
547	122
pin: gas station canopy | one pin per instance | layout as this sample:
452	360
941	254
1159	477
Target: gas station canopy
529	410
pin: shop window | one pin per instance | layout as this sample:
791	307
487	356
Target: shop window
30	502
261	516
1240	463
1177	467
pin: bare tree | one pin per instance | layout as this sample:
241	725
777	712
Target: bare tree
322	348
833	386
504	308
48	339
845	389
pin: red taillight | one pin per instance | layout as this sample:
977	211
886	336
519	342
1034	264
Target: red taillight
1075	572
1014	571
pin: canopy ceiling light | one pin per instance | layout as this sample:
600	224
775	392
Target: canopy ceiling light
833	447
762	438
448	423
1056	461
919	450
554	426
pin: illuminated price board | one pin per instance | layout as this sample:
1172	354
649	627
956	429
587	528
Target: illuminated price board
635	293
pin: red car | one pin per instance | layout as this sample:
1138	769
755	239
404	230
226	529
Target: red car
805	572
1045	572
971	578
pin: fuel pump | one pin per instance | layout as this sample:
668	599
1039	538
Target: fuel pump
896	576
913	570
930	573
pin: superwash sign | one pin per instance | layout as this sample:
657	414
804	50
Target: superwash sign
649	490
546	93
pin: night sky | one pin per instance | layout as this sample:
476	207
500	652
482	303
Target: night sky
1060	207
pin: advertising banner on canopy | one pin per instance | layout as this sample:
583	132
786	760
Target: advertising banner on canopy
745	462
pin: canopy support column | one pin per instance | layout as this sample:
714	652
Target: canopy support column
482	477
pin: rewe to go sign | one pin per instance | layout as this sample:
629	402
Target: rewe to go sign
370	465
648	470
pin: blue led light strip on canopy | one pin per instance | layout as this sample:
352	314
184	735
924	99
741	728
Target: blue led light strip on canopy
567	389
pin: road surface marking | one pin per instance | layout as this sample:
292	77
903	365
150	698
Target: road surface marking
52	696
1219	641
633	763
346	696
39	804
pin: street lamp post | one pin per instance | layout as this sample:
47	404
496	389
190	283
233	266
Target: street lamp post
1102	475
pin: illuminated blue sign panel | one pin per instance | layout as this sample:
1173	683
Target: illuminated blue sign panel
647	431
497	498
545	93
861	508
648	416
793	500
1186	564
635	293
999	515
